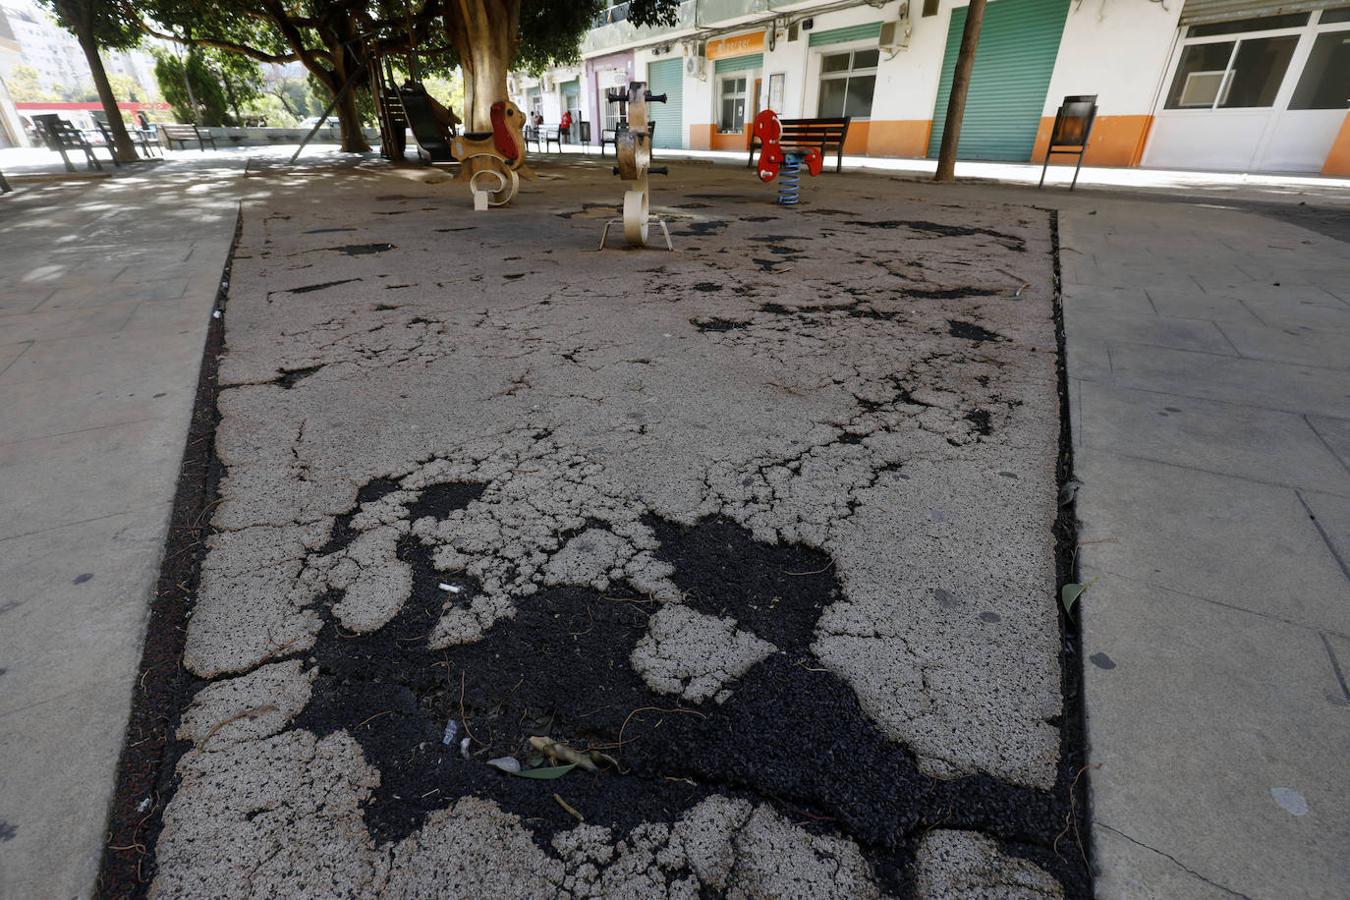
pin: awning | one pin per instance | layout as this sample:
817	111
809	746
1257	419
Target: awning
1197	12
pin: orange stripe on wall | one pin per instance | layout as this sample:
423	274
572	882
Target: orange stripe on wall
1338	160
1115	141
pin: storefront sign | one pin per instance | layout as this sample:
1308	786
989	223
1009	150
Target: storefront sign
737	45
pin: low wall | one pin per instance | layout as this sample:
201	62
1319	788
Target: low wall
235	137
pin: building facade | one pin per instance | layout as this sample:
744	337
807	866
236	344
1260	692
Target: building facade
57	58
1231	85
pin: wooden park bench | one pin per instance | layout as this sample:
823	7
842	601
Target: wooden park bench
63	137
611	135
826	134
138	137
184	133
543	135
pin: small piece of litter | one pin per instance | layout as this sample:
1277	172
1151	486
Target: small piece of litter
506	764
571	809
464	748
452	588
143	806
451	729
215	314
1290	800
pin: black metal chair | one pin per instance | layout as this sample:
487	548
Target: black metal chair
1073	127
63	137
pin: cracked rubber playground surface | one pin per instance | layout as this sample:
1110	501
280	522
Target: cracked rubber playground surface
765	522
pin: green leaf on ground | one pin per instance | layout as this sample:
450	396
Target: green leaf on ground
546	773
1069	594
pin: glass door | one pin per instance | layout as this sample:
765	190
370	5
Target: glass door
1305	126
1254	95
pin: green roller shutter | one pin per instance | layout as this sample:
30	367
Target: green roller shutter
667	77
1016	55
871	31
739	63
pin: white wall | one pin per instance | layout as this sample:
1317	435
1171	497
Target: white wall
1116	49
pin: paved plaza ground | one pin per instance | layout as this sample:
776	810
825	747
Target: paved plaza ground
769	524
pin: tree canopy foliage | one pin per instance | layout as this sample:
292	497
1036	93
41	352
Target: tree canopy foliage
335	38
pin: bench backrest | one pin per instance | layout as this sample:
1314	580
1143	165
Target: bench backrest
815	132
57	132
178	132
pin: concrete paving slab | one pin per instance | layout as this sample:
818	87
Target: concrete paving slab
1230	439
100	358
1332	516
1297	344
55	785
1167	526
94	424
1160	666
11	352
1191	303
75	612
41	326
118	468
1200	336
1336	432
1297	388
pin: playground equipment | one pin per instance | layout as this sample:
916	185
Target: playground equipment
786	166
633	148
502	150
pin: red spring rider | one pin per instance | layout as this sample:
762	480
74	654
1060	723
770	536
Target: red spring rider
771	156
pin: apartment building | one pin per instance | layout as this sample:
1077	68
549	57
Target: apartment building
1232	85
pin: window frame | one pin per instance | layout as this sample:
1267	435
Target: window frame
1292	68
845	74
720	97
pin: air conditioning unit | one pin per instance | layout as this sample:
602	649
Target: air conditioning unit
695	64
895	35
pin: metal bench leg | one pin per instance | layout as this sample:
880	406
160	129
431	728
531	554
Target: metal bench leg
1045	166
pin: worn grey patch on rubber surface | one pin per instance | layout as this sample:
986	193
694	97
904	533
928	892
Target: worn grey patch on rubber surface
845	496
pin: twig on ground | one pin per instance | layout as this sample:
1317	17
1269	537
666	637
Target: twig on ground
571	809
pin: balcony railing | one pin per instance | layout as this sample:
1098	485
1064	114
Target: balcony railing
613	31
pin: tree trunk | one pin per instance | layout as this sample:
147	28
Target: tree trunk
122	148
956	103
484	35
349	119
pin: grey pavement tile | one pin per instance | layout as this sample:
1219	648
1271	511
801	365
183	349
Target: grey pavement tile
1112	300
86	363
1128	870
38	326
9	353
1159	331
1196	304
1336	432
73	477
1332	514
1228	438
1298	344
1191	708
96	294
1304	314
57	780
1256	382
17	301
52	406
73	613
1215	536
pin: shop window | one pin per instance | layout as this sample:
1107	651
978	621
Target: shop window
1325	83
731	103
1231	74
847	83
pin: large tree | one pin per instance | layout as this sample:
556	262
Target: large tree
332	38
98	25
492	37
